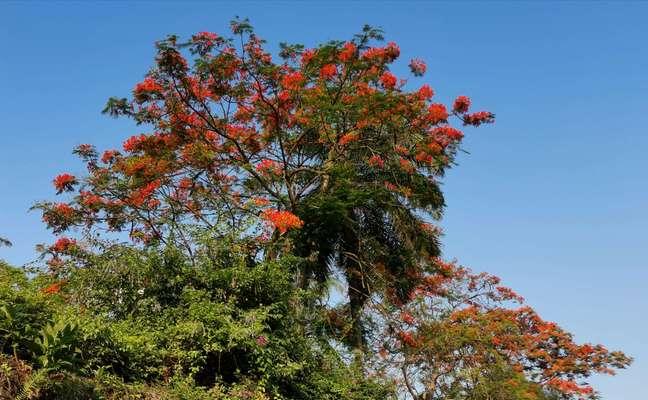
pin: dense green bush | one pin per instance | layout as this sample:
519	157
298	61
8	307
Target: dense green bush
156	324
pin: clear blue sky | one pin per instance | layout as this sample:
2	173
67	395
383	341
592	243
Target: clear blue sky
553	197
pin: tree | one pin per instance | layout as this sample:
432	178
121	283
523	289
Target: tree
325	156
456	338
328	138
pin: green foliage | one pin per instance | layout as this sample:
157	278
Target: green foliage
156	324
56	347
23	312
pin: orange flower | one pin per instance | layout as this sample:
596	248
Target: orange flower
347	52
437	113
54	288
388	80
425	92
63	244
417	67
64	182
268	166
293	80
408	338
407	317
64	210
376	161
461	104
328	71
147	85
348	138
282	220
260	201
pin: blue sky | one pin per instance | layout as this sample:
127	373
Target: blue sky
552	198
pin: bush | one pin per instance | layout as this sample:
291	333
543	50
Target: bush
154	324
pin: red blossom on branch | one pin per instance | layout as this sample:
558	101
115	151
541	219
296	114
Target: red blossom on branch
268	166
208	37
63	244
388	80
108	156
64	210
418	67
53	288
147	85
478	118
293	80
348	52
461	104
425	92
328	71
64	183
348	138
376	161
282	220
437	113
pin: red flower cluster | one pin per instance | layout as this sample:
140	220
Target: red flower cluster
406	165
386	54
437	112
64	182
461	104
108	156
388	80
508	294
63	244
400	149
478	118
392	51
64	210
199	89
447	132
260	201
307	56
348	52
407	318
417	67
207	37
570	387
328	71
268	166
139	196
90	199
348	138
376	161
425	92
282	220
293	80
147	85
134	143
54	288
408	339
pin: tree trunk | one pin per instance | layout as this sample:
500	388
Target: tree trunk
357	289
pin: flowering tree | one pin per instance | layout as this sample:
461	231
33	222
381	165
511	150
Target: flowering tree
456	338
325	155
